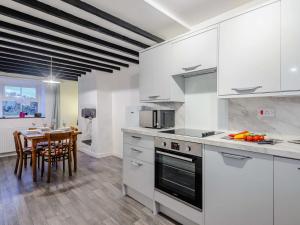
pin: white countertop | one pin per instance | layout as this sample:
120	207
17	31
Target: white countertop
284	149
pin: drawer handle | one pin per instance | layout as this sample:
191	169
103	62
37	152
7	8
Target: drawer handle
137	164
136	150
298	168
252	89
153	96
191	68
232	156
136	137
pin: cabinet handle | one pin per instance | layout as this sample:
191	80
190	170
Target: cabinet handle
232	156
191	68
136	150
252	89
136	137
298	168
153	96
137	164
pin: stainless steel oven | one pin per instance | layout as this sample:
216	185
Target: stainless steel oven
178	170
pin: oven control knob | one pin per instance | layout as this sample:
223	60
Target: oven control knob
189	148
164	144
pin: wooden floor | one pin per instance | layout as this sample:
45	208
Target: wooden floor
91	197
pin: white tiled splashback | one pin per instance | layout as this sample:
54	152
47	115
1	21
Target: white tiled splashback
243	115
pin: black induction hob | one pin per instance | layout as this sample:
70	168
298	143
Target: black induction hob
191	132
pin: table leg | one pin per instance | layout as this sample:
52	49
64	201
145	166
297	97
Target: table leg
34	175
75	155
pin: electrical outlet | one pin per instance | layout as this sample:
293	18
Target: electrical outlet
265	113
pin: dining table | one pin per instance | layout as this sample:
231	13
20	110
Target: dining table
36	137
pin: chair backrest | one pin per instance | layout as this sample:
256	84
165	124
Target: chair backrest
59	139
18	142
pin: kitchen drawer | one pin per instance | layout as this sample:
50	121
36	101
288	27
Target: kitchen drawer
139	140
139	153
139	175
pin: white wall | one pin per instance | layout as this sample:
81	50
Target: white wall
125	94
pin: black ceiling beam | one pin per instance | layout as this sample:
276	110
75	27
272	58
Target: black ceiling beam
60	29
49	37
54	59
41	66
56	54
55	47
44	70
26	72
42	62
106	16
79	21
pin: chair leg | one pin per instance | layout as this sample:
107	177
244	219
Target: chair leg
63	157
43	166
38	160
17	165
20	167
49	169
69	164
25	161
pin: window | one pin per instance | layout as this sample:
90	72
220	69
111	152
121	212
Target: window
18	99
25	92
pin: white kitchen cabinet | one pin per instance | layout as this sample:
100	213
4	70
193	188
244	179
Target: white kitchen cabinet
194	53
249	52
138	164
290	75
238	187
156	82
286	191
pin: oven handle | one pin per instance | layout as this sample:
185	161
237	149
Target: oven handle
175	156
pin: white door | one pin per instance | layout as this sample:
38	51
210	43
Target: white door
195	53
238	187
290	45
286	191
155	74
249	54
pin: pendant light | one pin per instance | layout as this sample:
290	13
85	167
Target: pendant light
51	80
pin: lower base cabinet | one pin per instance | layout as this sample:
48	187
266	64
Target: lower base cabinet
238	187
286	191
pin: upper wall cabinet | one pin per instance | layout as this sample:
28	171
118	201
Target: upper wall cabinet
290	75
156	83
194	53
249	52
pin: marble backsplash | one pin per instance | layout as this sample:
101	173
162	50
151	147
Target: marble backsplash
243	115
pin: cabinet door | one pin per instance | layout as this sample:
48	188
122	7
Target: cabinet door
195	53
286	191
155	74
139	175
249	54
290	45
238	187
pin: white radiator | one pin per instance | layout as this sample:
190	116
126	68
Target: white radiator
7	140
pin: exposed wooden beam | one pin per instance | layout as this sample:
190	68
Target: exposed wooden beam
64	30
56	54
79	21
54	59
42	70
42	62
49	37
56	48
106	16
26	72
40	66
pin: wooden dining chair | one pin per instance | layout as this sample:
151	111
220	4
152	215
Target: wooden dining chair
58	149
23	153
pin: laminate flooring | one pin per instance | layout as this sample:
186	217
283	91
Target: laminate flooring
92	196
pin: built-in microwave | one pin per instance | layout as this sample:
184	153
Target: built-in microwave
157	118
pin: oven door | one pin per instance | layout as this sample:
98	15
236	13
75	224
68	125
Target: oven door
179	175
